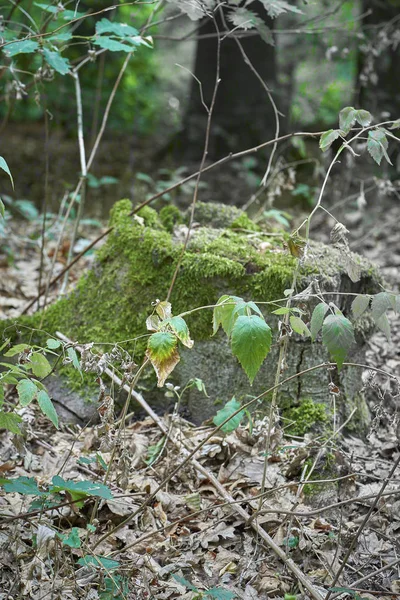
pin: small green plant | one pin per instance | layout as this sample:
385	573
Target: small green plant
27	374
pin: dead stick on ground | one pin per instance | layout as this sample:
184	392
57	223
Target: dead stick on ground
291	565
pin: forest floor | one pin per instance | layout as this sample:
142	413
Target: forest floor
191	539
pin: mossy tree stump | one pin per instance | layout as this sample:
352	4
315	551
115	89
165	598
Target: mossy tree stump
227	254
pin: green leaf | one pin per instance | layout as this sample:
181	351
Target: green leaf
327	139
4	166
299	326
109	43
317	319
284	310
181	330
251	342
47	407
363	117
154	451
185	582
163	355
40	365
10	421
383	324
395	124
381	303
53	344
27	391
121	30
223	313
377	145
24	485
23	47
347	118
17	349
360	305
56	61
229	409
277	7
80	488
2	208
97	561
72	355
71	539
219	593
338	337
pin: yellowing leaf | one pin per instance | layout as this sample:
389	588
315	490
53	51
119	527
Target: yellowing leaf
181	330
163	354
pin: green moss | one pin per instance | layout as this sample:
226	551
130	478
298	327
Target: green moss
305	417
150	217
135	267
244	222
213	214
325	468
170	216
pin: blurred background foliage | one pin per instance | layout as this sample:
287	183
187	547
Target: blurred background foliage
324	55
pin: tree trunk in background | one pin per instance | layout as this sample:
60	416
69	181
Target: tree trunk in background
378	68
242	115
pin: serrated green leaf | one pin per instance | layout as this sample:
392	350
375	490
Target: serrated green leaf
327	139
229	409
53	344
299	326
56	61
16	349
47	407
27	391
181	330
80	488
40	365
161	345
347	118
119	29
251	342
10	421
24	485
22	47
163	354
381	303
338	337
377	145
97	561
383	324
363	117
4	166
71	539
317	318
360	305
112	45
223	313
61	37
